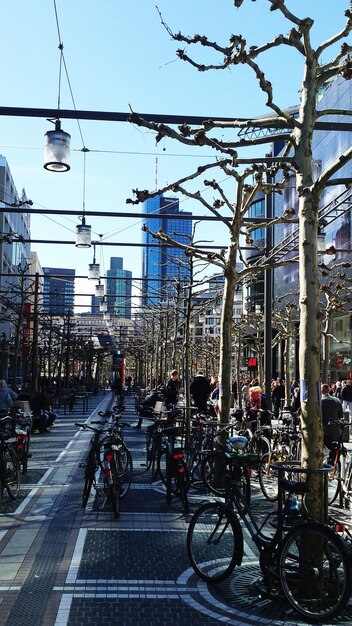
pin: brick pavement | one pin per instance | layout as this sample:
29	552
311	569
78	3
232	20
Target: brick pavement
62	566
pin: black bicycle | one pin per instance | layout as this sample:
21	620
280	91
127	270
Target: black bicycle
10	478
23	427
172	468
305	558
111	456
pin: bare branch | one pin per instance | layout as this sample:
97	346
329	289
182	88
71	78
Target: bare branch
293	39
143	195
280	5
338	36
210	257
345	49
266	86
197	196
333	168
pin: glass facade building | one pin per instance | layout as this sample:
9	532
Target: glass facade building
58	290
118	289
161	264
335	217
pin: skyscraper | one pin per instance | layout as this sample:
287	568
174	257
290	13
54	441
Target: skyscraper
118	289
163	264
59	288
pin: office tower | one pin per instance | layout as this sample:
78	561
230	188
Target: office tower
118	289
59	288
161	264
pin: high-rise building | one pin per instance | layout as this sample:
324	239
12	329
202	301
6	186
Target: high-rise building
118	289
161	264
59	289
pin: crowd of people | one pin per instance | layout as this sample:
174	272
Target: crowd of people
336	399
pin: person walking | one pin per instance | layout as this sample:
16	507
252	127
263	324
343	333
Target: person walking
200	391
172	389
346	396
332	410
7	396
277	395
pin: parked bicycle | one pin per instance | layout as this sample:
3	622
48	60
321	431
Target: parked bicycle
304	558
110	456
200	443
10	478
173	469
156	439
286	446
340	477
219	462
23	426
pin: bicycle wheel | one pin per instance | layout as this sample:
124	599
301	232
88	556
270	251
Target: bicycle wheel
214	468
123	460
214	542
334	481
115	486
11	479
183	491
348	493
26	451
260	445
88	477
163	473
315	571
268	477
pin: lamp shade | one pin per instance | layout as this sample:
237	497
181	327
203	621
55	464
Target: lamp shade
93	271
99	291
83	235
57	149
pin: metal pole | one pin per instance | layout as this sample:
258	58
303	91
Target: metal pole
35	373
268	298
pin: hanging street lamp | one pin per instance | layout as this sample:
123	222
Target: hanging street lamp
57	149
83	234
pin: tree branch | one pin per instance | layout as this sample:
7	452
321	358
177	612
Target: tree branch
143	195
338	36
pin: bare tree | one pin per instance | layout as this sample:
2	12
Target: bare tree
297	131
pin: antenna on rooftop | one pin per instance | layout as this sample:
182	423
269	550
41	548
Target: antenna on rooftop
156	173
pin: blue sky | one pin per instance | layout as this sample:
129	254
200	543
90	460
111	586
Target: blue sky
119	55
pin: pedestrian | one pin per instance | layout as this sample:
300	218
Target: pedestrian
200	391
245	390
332	410
277	395
7	396
234	390
256	408
171	389
215	393
346	397
214	383
338	389
117	388
43	415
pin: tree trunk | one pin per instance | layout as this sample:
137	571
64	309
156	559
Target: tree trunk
226	333
309	333
326	347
